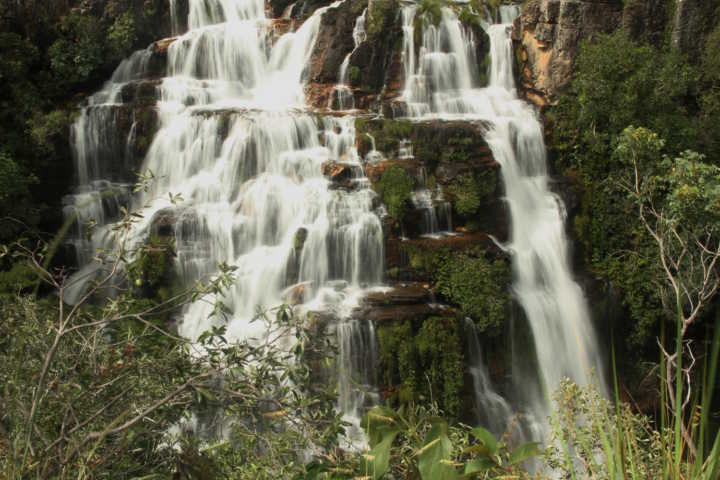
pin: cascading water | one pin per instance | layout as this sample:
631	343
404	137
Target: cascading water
342	91
236	145
490	407
442	82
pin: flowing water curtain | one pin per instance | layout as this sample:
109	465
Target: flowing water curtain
237	177
441	81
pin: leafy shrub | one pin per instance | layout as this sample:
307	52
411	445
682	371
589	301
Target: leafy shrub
466	195
587	425
121	36
13	181
423	364
417	443
20	278
478	286
78	53
395	187
620	82
441	360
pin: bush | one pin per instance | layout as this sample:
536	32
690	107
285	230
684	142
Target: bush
395	187
77	54
620	82
466	195
423	364
478	286
121	36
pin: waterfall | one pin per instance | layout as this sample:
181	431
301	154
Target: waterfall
344	94
238	144
490	407
357	375
440	82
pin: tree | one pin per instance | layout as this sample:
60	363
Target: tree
678	203
104	387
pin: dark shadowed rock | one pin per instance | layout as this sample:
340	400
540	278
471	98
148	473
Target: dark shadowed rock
691	22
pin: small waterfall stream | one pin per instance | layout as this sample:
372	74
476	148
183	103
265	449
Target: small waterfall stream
342	98
441	81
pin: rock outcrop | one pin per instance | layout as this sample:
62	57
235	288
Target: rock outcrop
692	20
548	34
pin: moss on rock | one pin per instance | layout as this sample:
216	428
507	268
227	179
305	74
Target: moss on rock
423	362
395	187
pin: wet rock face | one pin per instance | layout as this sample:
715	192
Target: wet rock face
440	154
446	148
548	34
278	7
374	67
335	41
691	22
646	20
404	301
377	62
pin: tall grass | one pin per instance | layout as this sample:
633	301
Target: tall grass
609	441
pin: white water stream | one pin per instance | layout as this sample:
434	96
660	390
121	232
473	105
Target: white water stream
237	144
442	81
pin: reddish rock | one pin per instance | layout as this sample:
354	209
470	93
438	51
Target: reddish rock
161	46
548	33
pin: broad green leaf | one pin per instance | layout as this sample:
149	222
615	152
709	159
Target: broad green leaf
434	458
376	461
478	465
487	438
379	421
524	452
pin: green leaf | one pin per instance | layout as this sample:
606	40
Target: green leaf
376	461
434	458
524	452
377	422
478	465
487	438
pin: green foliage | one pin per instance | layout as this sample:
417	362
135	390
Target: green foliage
620	82
78	52
468	192
152	267
387	133
478	286
378	15
598	438
395	187
52	53
613	442
118	384
397	357
430	11
439	350
417	443
694	192
20	278
473	281
13	181
121	35
423	364
677	200
354	74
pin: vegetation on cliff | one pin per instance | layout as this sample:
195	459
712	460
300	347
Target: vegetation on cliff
51	51
106	387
